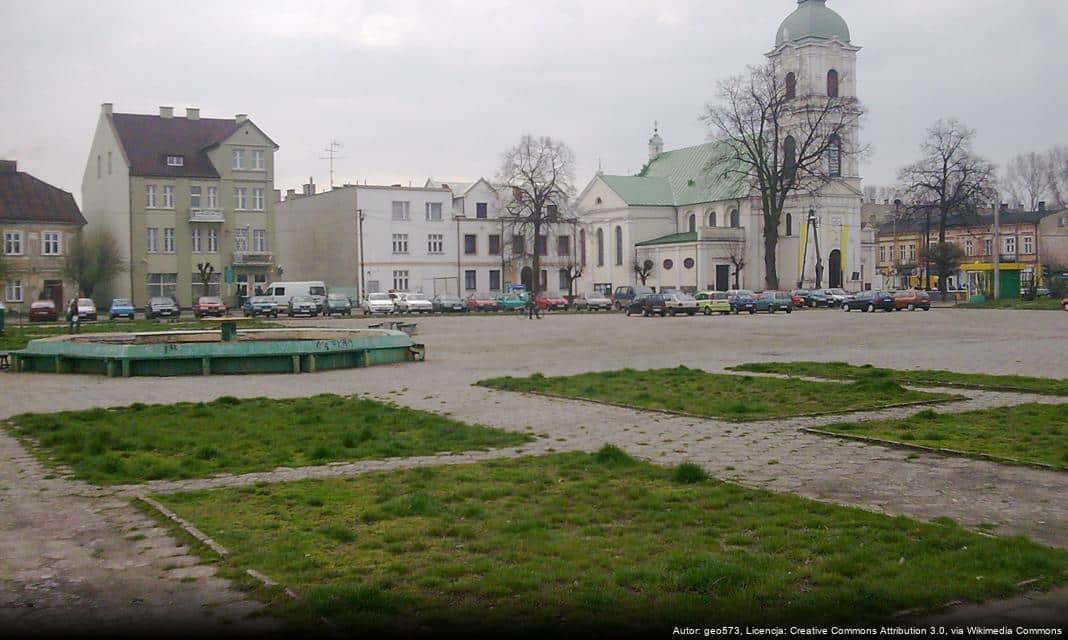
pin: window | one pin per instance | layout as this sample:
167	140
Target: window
470	280
495	280
968	247
832	84
239	158
563	245
152	240
582	246
400	243
481	210
912	254
13	243
257	199
257	159
109	163
882	253
834	156
600	247
789	157
435	243
433	211
168	196
564	280
791	86
1028	245
735	219
400	280
543	280
240	239
688	263
551	211
213	240
259	239
668	264
194	239
691	223
988	247
150	196
240	198
194	197
470	244
789	225
901	253
99	169
175	161
401	209
495	245
13	291
162	284
619	245
213	198
712	218
1010	245
519	245
168	240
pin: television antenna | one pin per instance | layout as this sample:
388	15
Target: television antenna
331	154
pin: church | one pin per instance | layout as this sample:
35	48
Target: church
686	227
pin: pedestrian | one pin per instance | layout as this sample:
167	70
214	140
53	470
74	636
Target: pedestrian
72	315
532	309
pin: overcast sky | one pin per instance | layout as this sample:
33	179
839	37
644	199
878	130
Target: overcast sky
441	88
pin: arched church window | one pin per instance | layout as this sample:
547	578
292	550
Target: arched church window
600	247
735	219
691	225
832	84
834	156
582	246
619	245
791	86
789	225
712	218
789	157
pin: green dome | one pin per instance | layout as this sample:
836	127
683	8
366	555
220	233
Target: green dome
812	20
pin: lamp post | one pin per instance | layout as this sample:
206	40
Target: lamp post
813	223
360	218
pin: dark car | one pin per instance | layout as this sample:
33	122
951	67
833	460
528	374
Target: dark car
623	296
303	306
259	306
338	303
43	311
772	301
447	302
869	301
650	304
742	300
813	298
161	307
209	306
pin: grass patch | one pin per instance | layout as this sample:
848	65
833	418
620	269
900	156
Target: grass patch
1015	303
737	398
575	541
845	371
1035	433
17	337
229	435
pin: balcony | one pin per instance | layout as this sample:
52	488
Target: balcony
722	234
206	215
253	258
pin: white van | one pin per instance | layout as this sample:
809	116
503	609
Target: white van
281	292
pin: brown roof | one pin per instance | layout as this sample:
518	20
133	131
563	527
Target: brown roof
148	140
24	198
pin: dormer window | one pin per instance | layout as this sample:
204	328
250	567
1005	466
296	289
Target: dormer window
175	161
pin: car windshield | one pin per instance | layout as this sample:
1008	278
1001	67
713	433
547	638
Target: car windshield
317	291
380	297
42	304
300	299
483	296
160	301
261	300
416	296
337	297
210	300
122	302
85	301
836	292
743	292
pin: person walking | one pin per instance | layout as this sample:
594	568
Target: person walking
532	308
74	318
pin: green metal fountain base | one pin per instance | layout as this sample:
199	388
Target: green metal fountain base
182	353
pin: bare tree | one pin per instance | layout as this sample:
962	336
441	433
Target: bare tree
736	254
205	270
572	271
642	269
779	144
1057	179
1027	178
946	258
93	258
539	175
949	177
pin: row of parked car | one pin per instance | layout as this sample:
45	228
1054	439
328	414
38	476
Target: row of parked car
649	303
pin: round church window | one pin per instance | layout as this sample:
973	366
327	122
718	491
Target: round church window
668	264
688	263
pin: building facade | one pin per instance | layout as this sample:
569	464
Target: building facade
183	191
38	223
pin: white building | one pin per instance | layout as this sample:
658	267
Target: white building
696	230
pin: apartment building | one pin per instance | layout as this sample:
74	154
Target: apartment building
182	191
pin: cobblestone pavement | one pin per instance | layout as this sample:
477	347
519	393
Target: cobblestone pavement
68	542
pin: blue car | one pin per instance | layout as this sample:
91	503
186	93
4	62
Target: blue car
259	306
742	300
121	308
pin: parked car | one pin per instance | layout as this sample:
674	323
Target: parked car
649	304
623	296
677	302
1064	303
413	303
448	302
836	296
337	303
742	300
161	307
121	308
481	302
281	292
259	306
709	302
303	305
511	301
869	301
813	298
378	303
43	311
591	302
551	302
911	300
772	301
209	306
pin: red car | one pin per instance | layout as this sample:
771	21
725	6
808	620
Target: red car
43	311
209	306
481	302
551	302
1064	303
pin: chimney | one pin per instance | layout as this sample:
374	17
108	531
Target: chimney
1042	206
290	194
241	117
7	167
192	113
106	108
277	195
166	112
309	189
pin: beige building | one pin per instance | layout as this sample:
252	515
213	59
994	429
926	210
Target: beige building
178	191
38	222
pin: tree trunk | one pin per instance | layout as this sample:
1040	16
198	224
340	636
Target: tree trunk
535	276
942	274
771	243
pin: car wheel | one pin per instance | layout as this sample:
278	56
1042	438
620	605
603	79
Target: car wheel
845	307
789	311
692	313
628	312
752	311
771	310
871	308
617	306
911	307
708	311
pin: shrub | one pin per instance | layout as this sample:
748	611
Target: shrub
612	455
689	473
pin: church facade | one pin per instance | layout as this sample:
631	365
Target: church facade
684	226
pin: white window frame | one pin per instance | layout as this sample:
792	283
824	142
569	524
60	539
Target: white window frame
400	243
882	253
13	291
213	240
150	196
257	160
400	280
1028	245
988	246
195	239
51	243
432	214
435	243
257	199
401	213
240	239
969	247
240	198
195	195
259	239
168	240
239	159
12	243
213	197
152	240
175	161
168	196
1010	245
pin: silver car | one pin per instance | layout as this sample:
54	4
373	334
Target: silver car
676	302
592	302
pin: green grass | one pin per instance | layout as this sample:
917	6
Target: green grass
17	337
737	398
1036	433
228	435
580	542
1015	303
844	371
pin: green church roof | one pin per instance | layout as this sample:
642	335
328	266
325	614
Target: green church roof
638	191
671	239
679	178
812	20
